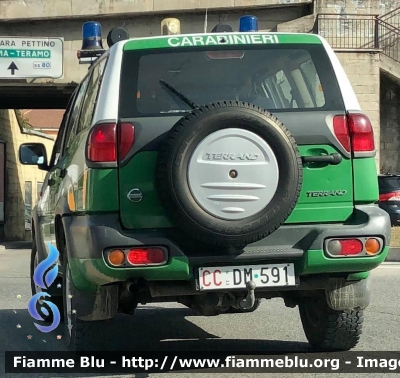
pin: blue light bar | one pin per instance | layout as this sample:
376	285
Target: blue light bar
91	36
248	24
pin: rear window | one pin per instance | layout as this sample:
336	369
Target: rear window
277	78
389	183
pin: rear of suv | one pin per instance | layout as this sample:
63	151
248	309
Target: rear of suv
213	170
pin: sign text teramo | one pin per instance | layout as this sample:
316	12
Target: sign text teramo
30	57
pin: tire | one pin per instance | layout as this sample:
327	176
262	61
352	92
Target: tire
57	300
185	186
79	335
327	329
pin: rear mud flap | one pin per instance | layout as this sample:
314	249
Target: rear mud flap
342	295
99	305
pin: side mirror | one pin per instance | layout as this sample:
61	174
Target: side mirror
33	154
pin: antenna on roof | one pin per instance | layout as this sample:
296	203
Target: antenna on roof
206	21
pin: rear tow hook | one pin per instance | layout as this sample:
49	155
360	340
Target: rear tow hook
249	301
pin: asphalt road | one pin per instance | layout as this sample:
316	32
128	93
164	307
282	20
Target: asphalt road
164	327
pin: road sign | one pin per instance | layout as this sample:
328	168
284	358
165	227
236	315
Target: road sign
29	57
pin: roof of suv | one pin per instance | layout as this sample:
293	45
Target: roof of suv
213	39
111	80
209	39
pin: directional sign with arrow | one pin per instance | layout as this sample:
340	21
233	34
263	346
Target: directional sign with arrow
31	57
12	68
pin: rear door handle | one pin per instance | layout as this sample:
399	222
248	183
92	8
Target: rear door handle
333	159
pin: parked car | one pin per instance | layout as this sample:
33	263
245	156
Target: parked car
389	196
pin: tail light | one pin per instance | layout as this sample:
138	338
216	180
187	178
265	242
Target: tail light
361	133
342	131
354	247
146	256
116	257
102	142
392	196
350	247
126	139
136	256
345	247
354	132
102	146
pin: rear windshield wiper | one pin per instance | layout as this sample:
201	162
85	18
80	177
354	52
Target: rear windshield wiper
179	94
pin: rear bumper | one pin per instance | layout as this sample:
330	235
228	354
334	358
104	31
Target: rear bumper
88	236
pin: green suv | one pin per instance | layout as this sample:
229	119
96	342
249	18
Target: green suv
213	170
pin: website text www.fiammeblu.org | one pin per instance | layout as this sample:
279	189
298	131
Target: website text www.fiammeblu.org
61	362
268	363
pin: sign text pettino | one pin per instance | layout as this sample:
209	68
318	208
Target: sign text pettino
27	43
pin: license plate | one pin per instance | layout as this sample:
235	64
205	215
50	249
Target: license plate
235	277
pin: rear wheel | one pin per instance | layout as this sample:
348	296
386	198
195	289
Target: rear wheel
327	329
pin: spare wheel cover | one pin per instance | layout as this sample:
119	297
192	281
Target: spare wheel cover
233	174
228	174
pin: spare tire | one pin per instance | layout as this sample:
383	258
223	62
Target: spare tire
229	174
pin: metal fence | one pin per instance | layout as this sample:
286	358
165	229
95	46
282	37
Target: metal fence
392	18
348	31
389	40
361	32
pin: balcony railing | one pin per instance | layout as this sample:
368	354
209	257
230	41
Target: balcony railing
346	32
392	18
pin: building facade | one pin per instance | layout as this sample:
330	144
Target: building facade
20	185
46	121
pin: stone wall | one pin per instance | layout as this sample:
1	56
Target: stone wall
390	125
301	25
395	238
360	6
16	176
46	9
